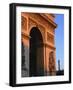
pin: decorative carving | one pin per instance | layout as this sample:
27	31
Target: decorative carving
41	21
23	23
32	23
51	63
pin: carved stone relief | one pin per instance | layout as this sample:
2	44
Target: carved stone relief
51	63
23	23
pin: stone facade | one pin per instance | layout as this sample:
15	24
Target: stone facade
45	51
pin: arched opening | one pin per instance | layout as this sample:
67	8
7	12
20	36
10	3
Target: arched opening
36	62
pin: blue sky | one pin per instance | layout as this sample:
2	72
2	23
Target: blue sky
59	39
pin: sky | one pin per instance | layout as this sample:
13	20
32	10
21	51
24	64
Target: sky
59	40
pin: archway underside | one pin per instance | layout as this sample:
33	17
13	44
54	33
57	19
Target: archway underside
36	63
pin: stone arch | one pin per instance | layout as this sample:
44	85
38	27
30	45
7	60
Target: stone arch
36	63
40	28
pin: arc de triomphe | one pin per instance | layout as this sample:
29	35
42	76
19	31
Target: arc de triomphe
38	44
